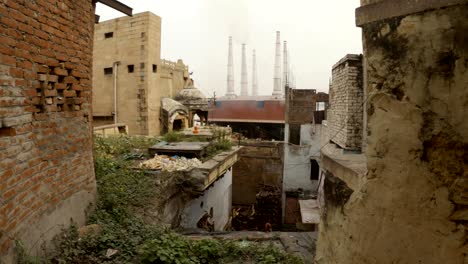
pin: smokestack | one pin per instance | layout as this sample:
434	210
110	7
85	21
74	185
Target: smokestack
254	74
277	77
244	88
230	73
285	65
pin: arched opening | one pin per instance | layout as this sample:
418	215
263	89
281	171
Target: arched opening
177	125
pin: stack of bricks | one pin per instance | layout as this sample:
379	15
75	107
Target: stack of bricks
45	119
345	113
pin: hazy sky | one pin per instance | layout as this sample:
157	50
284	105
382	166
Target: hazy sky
319	33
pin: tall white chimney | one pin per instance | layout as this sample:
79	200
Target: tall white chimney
254	75
230	73
285	65
244	87
277	77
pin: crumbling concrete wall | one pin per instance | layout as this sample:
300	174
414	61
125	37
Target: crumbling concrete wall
259	163
411	206
46	163
346	99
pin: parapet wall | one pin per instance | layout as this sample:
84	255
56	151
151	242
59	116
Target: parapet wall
46	164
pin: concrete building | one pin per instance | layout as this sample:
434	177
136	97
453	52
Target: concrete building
303	126
129	76
408	203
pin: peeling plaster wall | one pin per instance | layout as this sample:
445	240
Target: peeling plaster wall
297	159
218	197
412	205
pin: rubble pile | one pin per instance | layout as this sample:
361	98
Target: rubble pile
264	215
167	163
268	208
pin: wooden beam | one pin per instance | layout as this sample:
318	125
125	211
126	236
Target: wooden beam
117	6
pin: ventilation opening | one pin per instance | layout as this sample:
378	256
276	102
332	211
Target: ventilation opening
130	68
109	35
108	71
142	65
155	68
314	170
7	132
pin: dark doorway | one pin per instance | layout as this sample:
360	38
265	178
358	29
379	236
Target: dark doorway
177	125
314	170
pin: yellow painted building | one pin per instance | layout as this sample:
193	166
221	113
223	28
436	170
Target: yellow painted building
129	76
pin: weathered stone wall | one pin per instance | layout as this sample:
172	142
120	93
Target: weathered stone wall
174	77
344	115
259	163
135	44
411	206
46	163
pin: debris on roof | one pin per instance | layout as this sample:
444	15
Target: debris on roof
170	164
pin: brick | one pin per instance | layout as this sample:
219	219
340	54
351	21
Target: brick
25	65
17	120
39	59
52	78
69	65
9	194
25	28
50	93
16	73
7	41
69	93
36	101
77	87
70	80
43	69
9	22
52	62
6	50
42	77
78	74
60	86
7	60
60	72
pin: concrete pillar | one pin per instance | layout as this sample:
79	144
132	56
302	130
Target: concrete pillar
411	205
254	75
277	90
244	82
285	65
230	74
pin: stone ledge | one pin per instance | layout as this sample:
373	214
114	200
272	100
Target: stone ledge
396	8
218	165
348	57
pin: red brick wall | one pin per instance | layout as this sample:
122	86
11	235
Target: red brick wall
45	111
